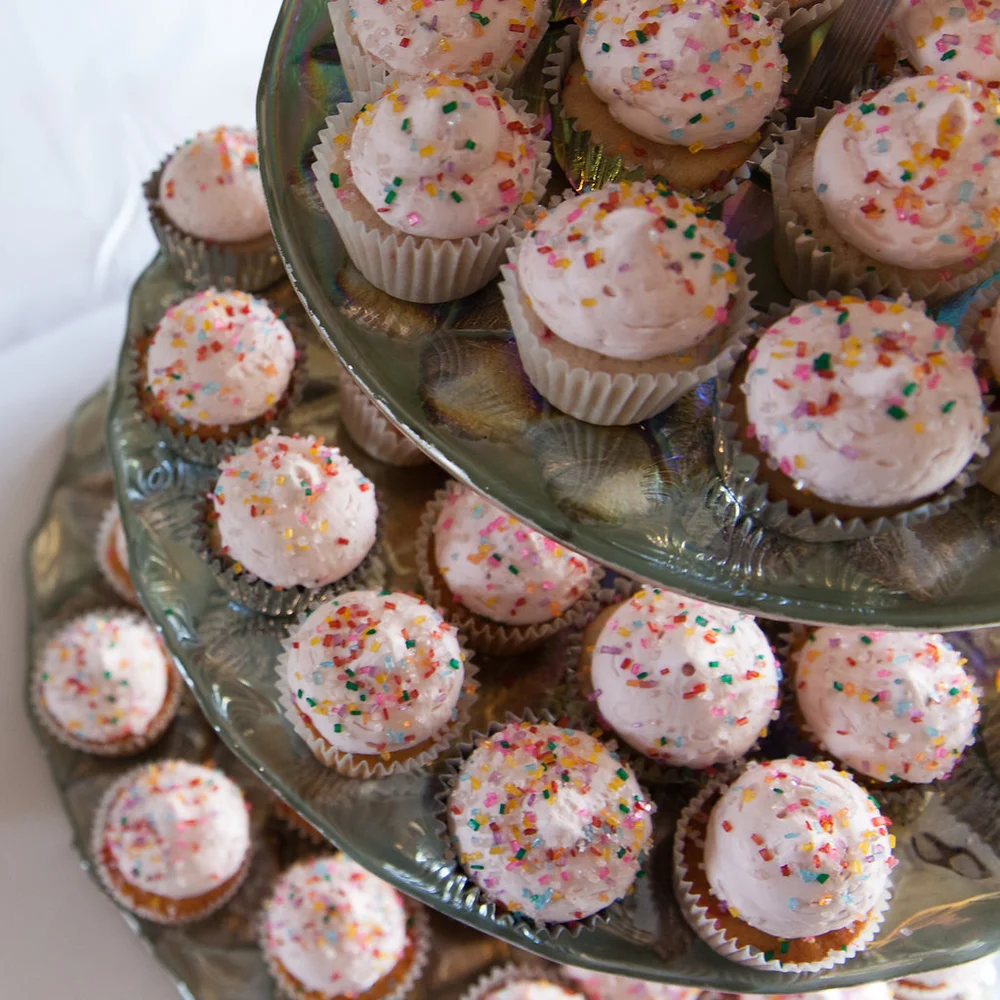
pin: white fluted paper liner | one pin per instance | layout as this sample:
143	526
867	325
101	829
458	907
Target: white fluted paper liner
588	164
807	263
717	938
249	266
149	913
601	393
370	430
255	594
118	578
127	746
796	24
418	932
469	896
419	269
506	975
482	634
366	767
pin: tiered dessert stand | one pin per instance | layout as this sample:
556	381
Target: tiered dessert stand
645	501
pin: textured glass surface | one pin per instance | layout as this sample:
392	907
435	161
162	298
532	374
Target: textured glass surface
947	891
644	499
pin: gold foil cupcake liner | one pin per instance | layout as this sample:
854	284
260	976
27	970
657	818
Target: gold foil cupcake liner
418	932
370	430
154	915
122	585
796	24
484	635
249	266
588	164
806	265
616	398
366	767
419	269
208	451
465	893
127	746
716	936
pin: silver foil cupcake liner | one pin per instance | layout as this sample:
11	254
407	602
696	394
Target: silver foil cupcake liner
482	634
796	24
505	975
118	578
249	267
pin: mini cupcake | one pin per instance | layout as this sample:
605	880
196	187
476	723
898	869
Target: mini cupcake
375	683
217	369
171	841
294	822
206	204
897	192
428	183
548	823
112	555
289	522
507	586
851	415
624	299
870	991
787	869
684	683
517	982
382	39
678	93
332	931
370	430
605	986
972	981
941	36
893	706
103	684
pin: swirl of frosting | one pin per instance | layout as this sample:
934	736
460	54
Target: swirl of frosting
375	673
684	682
445	157
896	706
549	822
104	677
219	359
177	829
957	37
870	404
633	271
910	175
796	849
483	37
498	567
334	927
606	986
294	512
972	981
696	73
211	188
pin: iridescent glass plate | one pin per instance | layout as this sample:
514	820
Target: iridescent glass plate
946	905
647	499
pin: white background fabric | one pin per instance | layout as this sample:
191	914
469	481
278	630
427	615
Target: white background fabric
92	96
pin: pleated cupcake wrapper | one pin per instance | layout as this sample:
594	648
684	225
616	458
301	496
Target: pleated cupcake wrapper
796	24
128	746
615	399
366	767
506	975
365	73
255	594
418	932
482	634
248	267
469	896
803	264
739	470
369	429
587	163
97	859
111	573
420	269
209	452
718	939
292	821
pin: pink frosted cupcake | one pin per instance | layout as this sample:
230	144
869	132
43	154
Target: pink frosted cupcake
605	986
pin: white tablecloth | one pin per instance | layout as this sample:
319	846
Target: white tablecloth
93	95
